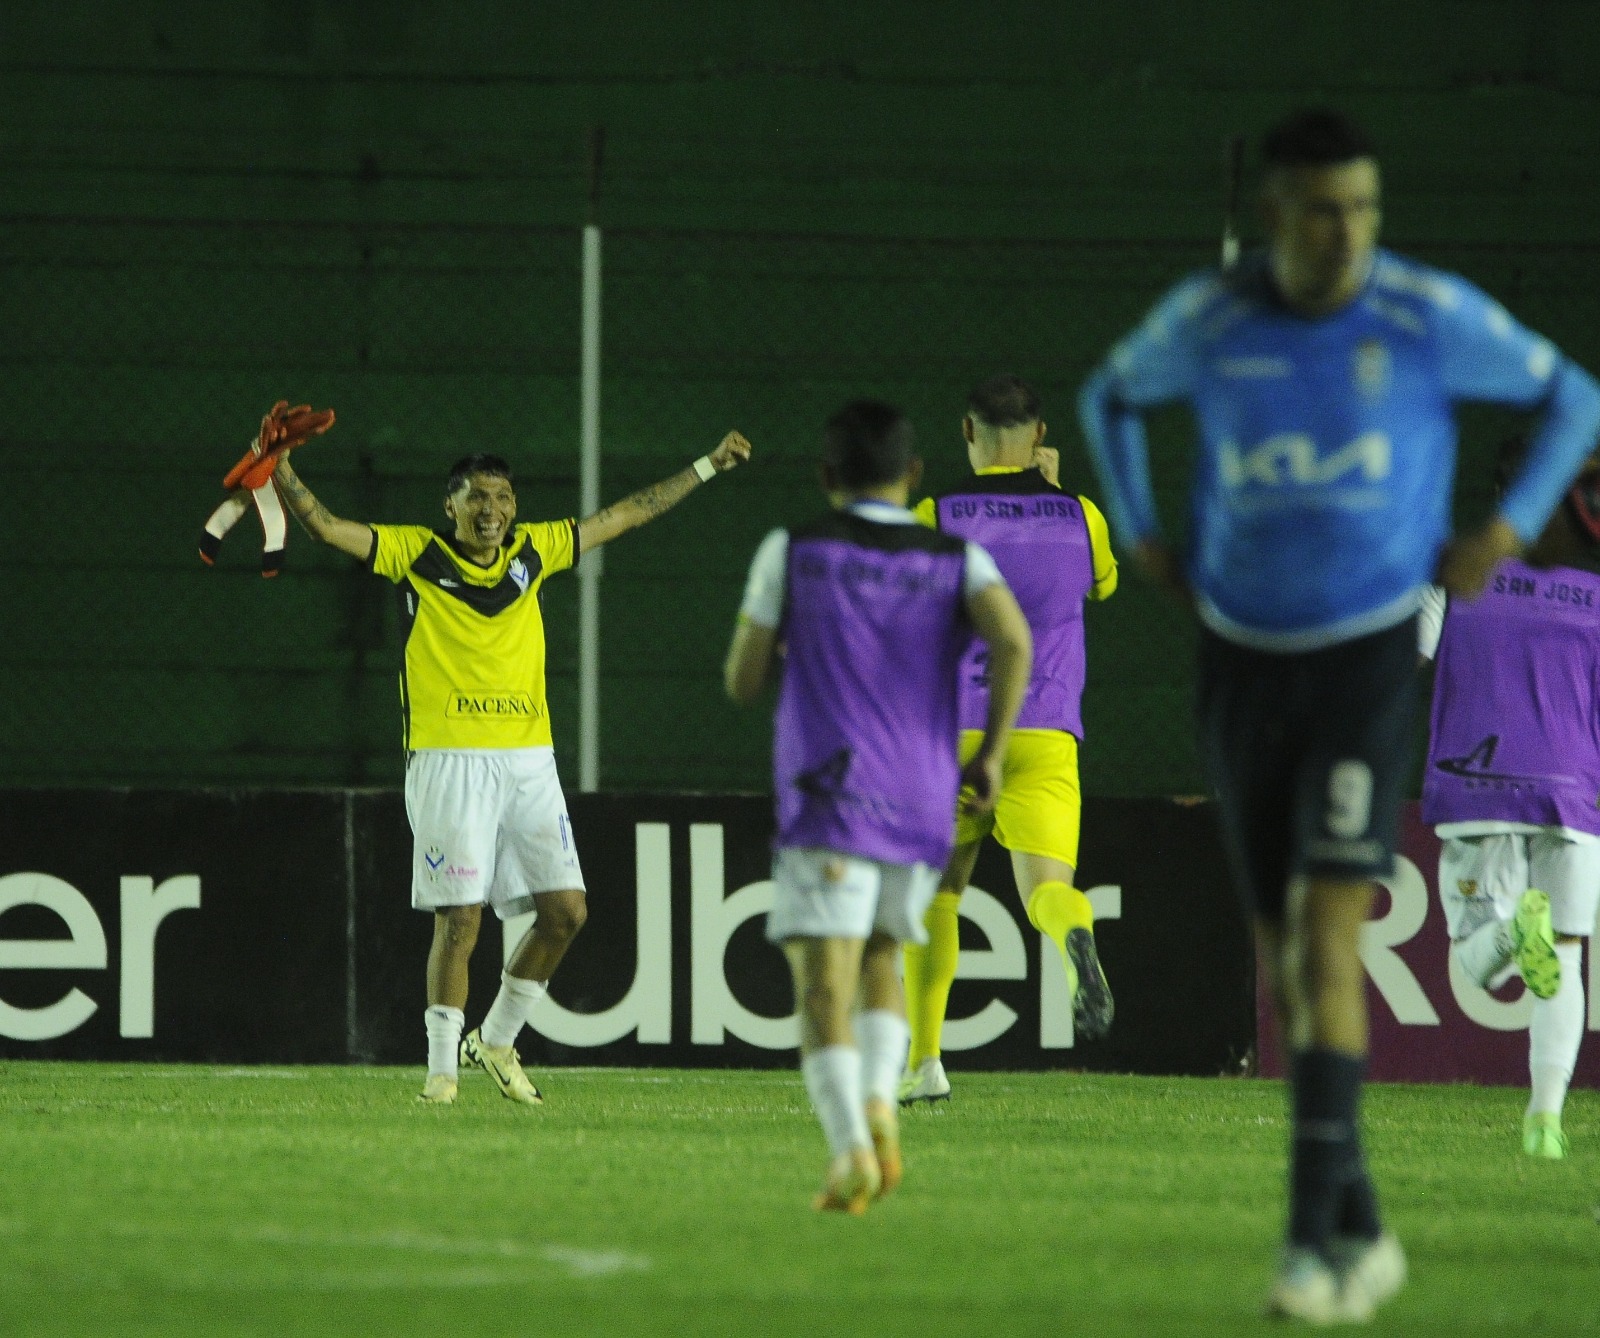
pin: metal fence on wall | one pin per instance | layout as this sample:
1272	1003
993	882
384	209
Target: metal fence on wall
139	354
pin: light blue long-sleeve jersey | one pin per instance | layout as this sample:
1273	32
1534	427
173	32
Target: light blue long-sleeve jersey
1327	445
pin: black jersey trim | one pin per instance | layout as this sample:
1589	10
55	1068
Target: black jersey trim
409	601
886	536
1025	481
435	567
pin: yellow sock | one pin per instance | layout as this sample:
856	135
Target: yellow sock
1056	909
930	971
915	957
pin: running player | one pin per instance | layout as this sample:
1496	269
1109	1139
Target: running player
488	817
1512	778
1323	375
1054	552
874	613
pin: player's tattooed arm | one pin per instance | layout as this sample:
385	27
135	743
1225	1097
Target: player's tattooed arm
641	507
348	536
307	509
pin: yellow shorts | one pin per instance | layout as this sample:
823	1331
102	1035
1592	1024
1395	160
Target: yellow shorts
1040	802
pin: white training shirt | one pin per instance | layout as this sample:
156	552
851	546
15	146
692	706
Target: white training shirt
764	591
1430	621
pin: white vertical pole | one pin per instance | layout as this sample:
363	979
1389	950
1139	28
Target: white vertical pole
590	566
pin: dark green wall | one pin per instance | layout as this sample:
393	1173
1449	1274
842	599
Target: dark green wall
375	206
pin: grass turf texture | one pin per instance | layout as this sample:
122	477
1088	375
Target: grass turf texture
181	1200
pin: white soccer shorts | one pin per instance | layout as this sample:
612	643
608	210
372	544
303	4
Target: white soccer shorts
824	894
1481	878
488	826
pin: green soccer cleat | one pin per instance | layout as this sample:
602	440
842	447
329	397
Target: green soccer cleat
1542	1136
1533	944
501	1064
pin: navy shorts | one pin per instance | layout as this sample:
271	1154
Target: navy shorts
1309	755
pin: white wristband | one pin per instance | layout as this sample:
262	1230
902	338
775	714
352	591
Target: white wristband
704	469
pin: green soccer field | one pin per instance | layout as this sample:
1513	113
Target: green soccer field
182	1200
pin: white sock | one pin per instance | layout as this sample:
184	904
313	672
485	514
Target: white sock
833	1081
509	1012
884	1038
1554	1035
1484	952
444	1039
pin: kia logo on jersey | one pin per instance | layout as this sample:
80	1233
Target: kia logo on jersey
1290	458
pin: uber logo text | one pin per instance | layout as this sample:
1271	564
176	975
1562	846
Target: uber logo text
714	916
144	905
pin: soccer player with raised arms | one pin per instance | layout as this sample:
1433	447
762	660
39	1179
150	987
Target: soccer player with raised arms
1512	785
1053	550
1323	373
487	813
871	614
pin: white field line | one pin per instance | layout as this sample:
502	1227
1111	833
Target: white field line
258	1073
575	1261
580	1263
393	1072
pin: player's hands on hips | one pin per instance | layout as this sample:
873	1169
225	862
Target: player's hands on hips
1467	561
1047	460
980	784
733	450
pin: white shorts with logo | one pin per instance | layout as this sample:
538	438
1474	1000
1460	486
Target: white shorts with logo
824	894
1482	877
488	826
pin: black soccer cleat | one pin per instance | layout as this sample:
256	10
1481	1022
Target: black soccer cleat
1092	1006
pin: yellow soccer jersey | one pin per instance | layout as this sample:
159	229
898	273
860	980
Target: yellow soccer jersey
473	671
1105	565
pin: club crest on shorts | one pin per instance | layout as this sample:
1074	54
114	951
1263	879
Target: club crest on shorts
433	857
1468	887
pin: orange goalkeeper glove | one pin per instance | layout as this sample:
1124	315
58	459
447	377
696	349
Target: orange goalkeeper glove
250	481
281	431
